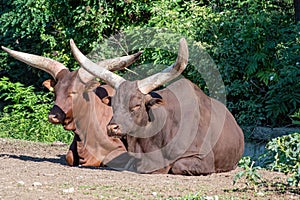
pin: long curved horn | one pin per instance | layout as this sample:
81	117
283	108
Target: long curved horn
119	63
84	75
150	83
109	64
101	69
48	65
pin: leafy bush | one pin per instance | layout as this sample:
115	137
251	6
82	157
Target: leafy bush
26	117
284	154
296	117
256	46
45	27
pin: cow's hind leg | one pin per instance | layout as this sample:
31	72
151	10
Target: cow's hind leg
193	166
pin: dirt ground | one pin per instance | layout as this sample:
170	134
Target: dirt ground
30	170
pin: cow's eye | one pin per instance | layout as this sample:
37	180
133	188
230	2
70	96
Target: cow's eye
135	108
72	93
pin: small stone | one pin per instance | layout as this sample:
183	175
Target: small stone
260	194
58	143
212	197
48	174
154	194
21	183
36	184
70	190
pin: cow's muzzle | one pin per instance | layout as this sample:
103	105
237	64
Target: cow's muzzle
114	130
56	115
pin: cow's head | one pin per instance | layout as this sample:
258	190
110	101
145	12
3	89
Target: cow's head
133	103
63	88
72	90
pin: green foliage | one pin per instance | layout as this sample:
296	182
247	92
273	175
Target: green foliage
249	172
284	154
296	117
255	44
45	28
26	117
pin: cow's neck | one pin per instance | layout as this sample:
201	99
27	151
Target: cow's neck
91	117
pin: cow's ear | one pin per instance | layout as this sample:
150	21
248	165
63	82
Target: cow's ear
49	84
107	100
153	102
103	95
91	85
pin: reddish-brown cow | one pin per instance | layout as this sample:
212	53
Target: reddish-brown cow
177	130
79	109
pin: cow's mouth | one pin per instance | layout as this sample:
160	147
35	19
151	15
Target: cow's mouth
70	125
116	134
113	130
57	115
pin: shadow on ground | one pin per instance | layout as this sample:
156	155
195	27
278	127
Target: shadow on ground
59	160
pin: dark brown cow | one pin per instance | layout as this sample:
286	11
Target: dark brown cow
178	129
79	108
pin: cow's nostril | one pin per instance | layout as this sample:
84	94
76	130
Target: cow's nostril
53	119
56	115
114	127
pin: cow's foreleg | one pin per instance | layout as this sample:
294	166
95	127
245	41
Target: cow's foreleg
72	157
193	166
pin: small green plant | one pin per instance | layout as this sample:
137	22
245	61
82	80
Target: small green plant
25	114
249	172
196	196
284	154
